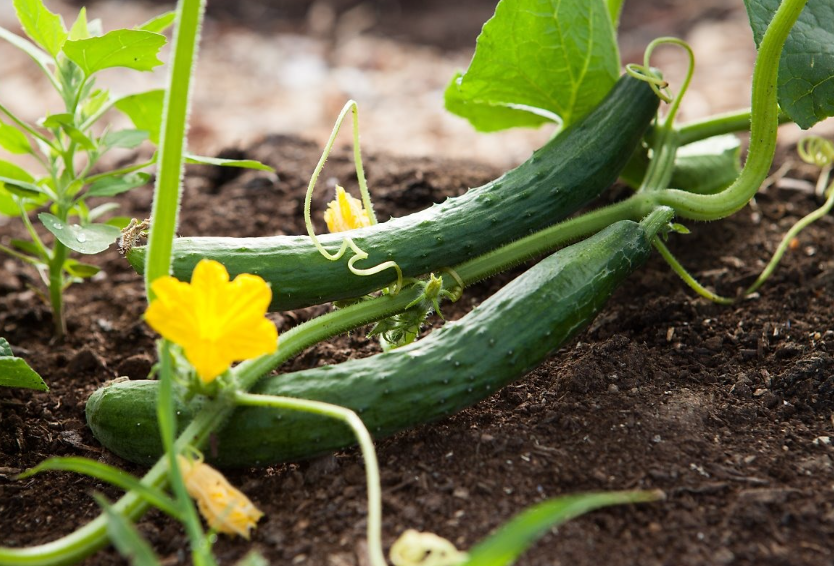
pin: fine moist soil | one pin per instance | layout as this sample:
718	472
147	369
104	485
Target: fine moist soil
726	409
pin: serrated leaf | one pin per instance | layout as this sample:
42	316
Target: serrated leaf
220	162
707	166
80	270
806	68
145	111
79	29
112	186
505	545
42	26
127	139
160	23
15	372
13	140
134	49
554	57
88	239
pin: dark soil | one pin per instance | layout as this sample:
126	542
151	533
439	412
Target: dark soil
728	410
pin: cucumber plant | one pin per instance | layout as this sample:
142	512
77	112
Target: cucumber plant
458	364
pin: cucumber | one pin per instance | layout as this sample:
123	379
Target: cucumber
461	363
567	173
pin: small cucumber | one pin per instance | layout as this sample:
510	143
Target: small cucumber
461	363
567	173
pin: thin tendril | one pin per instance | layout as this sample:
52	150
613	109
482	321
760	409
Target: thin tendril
687	278
347	242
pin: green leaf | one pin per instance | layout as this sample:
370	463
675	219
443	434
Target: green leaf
21	188
546	57
112	186
145	111
8	204
79	29
120	222
806	68
102	209
45	28
506	545
88	239
127	139
126	538
243	163
159	23
707	166
486	117
15	372
80	270
28	247
13	140
134	49
66	122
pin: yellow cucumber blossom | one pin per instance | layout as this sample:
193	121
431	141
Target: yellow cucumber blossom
215	321
345	213
224	508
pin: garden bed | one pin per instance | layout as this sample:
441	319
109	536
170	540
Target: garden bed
728	410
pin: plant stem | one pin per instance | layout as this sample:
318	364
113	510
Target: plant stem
763	128
366	445
166	202
56	288
719	124
117	172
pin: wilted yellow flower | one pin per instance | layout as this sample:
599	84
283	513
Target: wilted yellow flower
224	508
424	549
216	321
345	213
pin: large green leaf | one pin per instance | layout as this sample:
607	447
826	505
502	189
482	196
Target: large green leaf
145	111
87	239
506	545
806	69
15	372
42	26
538	60
134	49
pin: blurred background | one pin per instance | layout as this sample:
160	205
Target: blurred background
288	66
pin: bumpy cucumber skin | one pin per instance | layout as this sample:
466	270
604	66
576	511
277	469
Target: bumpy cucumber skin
567	173
454	367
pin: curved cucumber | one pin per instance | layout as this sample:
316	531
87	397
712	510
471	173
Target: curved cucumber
457	365
567	173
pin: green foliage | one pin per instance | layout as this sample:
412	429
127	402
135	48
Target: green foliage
15	372
133	49
537	61
806	69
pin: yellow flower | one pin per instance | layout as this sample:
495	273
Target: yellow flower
224	508
216	321
345	213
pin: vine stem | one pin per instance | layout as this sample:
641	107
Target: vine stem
366	445
763	128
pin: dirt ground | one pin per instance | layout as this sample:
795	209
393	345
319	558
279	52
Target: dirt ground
728	410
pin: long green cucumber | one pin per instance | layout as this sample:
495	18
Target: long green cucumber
567	173
461	363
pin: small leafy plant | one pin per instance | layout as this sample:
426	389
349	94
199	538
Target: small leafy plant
69	144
